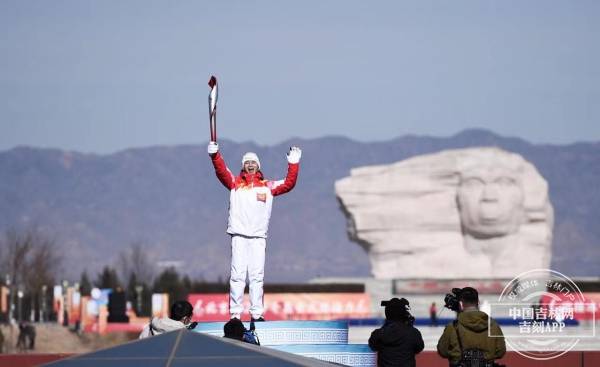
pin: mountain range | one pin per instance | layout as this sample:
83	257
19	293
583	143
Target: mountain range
167	199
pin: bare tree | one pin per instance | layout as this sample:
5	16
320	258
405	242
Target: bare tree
136	261
18	245
137	270
29	261
42	264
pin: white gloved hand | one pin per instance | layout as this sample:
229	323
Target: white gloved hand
293	156
213	147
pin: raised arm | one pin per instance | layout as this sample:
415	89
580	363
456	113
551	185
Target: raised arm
283	186
223	173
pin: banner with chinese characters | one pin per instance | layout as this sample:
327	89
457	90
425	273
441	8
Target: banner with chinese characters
287	306
587	310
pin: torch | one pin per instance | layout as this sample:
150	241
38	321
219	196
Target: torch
212	107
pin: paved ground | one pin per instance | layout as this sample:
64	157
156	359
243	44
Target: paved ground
360	335
52	338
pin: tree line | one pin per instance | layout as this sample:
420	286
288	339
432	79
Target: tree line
30	262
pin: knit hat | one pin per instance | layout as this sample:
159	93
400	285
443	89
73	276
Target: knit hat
250	156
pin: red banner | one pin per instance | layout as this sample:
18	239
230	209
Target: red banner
287	306
586	309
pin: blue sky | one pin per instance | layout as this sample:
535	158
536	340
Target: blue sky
101	76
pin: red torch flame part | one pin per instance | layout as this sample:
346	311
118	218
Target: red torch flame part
212	82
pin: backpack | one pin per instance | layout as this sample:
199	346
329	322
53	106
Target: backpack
250	335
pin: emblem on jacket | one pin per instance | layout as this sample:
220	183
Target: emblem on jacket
261	197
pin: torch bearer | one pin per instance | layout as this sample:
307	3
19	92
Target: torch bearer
212	107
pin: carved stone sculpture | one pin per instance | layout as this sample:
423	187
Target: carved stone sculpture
470	213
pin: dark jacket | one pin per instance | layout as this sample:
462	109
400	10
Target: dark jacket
396	344
473	329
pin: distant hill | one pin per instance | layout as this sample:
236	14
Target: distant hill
169	199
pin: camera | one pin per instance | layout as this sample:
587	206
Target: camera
451	300
398	310
395	302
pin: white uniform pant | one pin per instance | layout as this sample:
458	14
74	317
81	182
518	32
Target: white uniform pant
247	258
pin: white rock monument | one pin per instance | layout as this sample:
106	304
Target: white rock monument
477	213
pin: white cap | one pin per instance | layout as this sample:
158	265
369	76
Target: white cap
250	156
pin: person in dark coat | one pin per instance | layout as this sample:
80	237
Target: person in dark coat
234	329
397	341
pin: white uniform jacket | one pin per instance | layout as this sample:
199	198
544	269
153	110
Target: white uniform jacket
159	326
251	197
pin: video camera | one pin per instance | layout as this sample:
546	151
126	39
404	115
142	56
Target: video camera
398	310
451	300
402	302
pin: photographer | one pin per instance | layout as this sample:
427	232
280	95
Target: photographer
179	318
397	341
234	329
465	342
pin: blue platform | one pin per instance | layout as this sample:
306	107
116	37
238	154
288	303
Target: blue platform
322	340
289	332
348	355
